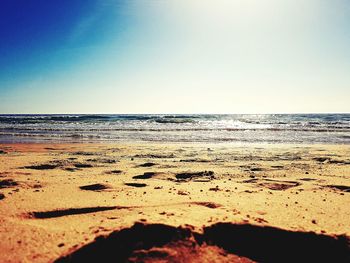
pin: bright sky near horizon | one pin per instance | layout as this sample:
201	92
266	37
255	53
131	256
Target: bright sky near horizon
174	56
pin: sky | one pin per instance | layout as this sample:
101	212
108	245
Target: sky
174	56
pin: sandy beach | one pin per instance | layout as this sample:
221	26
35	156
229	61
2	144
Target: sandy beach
180	131
180	202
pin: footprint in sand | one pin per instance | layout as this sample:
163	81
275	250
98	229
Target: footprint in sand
8	183
149	164
136	184
146	175
95	187
342	188
273	184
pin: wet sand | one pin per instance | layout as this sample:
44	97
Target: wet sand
180	202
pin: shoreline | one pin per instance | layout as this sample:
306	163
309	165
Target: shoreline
134	142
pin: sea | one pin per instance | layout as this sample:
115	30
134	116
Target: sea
207	128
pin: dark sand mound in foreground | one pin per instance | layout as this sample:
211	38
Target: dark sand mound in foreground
221	242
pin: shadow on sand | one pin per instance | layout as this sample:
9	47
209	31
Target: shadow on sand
257	243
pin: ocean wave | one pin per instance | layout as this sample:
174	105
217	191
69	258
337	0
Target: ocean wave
298	119
44	118
199	129
81	118
174	120
46	127
111	129
181	127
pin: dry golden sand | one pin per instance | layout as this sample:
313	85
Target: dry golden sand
45	214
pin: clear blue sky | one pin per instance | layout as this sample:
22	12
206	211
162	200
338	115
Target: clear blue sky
174	56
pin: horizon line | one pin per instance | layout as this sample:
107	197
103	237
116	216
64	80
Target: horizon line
159	113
